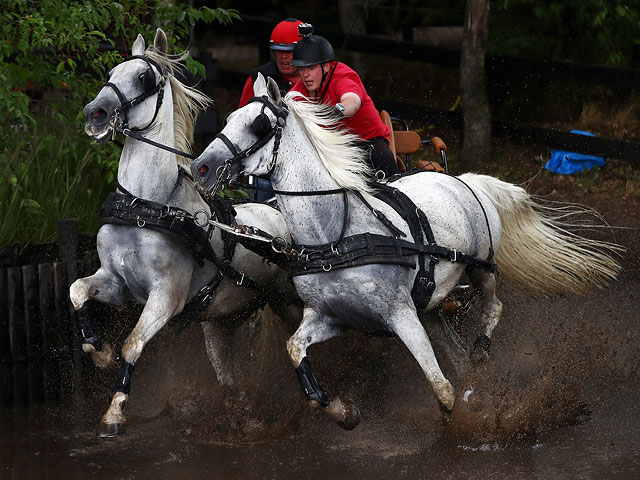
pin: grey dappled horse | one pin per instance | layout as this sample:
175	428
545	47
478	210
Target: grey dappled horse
151	267
295	143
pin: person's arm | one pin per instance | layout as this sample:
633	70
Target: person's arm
247	92
352	104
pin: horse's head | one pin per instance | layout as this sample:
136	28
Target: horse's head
249	141
132	95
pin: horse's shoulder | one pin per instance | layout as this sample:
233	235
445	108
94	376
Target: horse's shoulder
262	216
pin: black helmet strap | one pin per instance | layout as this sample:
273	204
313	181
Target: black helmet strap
324	77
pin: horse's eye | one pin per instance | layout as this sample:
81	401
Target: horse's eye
141	77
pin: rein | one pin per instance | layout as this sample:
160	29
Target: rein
133	134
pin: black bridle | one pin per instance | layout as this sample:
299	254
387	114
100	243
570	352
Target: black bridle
120	119
262	128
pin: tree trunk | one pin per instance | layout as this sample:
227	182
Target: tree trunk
352	20
475	101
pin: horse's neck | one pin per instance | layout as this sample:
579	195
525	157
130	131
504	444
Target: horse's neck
147	171
313	219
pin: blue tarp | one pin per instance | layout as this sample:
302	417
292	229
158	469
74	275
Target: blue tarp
569	162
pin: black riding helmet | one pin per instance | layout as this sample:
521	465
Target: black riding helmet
312	49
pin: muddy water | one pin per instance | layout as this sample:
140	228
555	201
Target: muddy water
45	444
558	399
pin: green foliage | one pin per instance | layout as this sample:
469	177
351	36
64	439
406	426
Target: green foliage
588	31
587	178
53	57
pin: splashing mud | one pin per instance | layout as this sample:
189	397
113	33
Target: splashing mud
557	399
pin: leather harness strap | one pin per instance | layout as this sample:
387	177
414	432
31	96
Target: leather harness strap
368	249
127	209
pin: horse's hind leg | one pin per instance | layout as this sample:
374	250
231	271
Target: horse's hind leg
485	282
406	325
217	341
315	328
160	307
102	287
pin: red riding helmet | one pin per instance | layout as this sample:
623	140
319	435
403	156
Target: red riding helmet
285	35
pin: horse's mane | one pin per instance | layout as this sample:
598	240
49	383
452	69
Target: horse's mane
346	163
187	101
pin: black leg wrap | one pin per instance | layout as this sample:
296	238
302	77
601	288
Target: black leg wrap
84	324
310	385
123	378
483	342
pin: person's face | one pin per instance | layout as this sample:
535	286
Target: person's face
311	76
283	60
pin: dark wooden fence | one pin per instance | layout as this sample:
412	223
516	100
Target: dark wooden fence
40	352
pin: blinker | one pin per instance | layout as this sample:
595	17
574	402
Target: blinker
261	125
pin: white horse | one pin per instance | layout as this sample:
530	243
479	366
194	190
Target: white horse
155	268
473	216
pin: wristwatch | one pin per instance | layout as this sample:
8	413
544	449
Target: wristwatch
340	108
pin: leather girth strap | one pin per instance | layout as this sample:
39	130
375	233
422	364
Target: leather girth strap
424	283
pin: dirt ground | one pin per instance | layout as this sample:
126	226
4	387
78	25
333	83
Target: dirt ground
558	398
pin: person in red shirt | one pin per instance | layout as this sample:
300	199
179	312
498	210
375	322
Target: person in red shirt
324	80
283	39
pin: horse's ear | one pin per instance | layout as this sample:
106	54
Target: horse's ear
160	43
259	86
273	90
138	46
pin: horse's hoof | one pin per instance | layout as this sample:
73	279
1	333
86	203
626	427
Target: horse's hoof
351	417
110	430
480	351
103	358
344	414
479	357
446	411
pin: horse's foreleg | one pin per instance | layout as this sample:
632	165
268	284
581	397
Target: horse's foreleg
102	287
406	325
485	282
315	328
160	307
217	341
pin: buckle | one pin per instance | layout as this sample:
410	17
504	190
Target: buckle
454	255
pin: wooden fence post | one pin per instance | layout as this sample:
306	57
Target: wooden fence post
68	245
64	358
17	335
33	334
6	380
48	330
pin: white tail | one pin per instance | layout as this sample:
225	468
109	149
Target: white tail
537	249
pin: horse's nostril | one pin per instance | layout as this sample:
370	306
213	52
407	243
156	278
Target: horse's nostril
99	116
203	169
